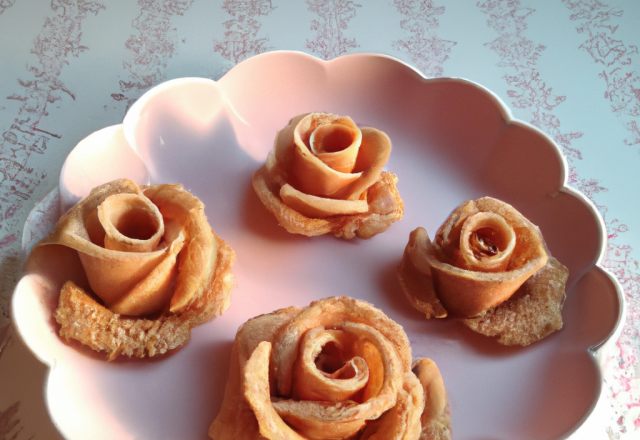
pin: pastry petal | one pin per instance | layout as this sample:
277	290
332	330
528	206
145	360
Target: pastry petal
436	417
340	420
184	213
319	207
256	390
152	294
487	242
372	157
385	207
403	421
415	275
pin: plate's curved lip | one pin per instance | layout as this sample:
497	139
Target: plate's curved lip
24	251
597	351
506	111
133	114
48	361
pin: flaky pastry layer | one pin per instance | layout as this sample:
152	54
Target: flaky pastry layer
324	174
363	225
338	369
506	285
83	318
142	253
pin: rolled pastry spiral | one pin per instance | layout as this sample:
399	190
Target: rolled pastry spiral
490	266
324	174
338	369
142	250
149	256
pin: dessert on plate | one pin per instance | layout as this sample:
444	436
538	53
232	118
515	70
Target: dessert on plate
324	174
136	267
489	266
337	369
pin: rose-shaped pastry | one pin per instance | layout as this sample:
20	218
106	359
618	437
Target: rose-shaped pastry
490	266
151	259
338	369
324	174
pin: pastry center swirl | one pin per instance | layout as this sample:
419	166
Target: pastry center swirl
331	138
330	359
487	242
131	223
137	223
482	243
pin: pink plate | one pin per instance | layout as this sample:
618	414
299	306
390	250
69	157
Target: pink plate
453	140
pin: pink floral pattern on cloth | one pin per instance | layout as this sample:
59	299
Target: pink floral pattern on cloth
151	47
10	425
30	137
241	39
24	139
426	49
5	4
330	26
597	22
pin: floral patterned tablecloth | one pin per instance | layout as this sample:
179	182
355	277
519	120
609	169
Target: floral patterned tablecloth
569	67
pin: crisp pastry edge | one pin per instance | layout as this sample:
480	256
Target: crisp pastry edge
84	319
364	225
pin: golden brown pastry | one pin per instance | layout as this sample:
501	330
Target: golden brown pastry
490	266
338	369
324	174
143	252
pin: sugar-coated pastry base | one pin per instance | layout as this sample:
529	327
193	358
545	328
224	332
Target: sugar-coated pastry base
532	313
84	319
